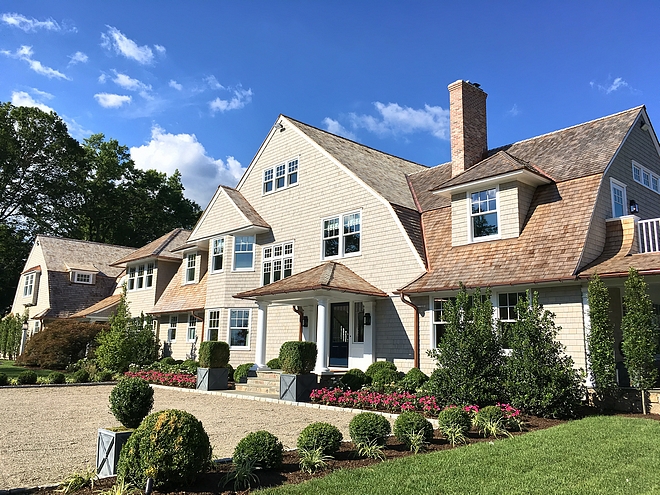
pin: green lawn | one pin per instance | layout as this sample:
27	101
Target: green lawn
7	367
597	455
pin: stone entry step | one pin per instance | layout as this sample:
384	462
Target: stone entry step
266	382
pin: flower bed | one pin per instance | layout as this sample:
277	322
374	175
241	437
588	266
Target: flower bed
182	380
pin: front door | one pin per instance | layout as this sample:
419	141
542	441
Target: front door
339	332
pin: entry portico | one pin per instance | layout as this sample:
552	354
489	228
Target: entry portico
336	308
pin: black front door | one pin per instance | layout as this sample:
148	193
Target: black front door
339	317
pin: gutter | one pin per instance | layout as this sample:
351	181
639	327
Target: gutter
415	330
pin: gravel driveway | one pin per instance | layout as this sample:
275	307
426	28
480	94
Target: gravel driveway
47	433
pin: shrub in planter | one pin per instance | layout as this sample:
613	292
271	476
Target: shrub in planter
131	400
410	423
298	358
230	372
81	376
413	380
274	364
454	423
241	372
170	446
368	427
56	378
322	436
355	379
259	447
27	377
4	381
213	354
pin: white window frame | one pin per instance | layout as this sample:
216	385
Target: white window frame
219	246
132	272
472	215
282	254
615	184
236	252
172	325
211	320
28	284
640	172
140	277
230	328
292	173
186	270
192	327
84	278
498	307
437	317
341	235
287	173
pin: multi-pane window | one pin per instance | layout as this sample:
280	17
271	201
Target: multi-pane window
506	305
439	320
131	278
646	177
83	278
239	327
341	235
280	176
244	252
280	172
292	173
214	324
28	286
483	213
141	276
192	328
618	199
149	279
268	180
171	330
217	256
277	262
191	263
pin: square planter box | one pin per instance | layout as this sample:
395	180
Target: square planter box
212	378
108	448
297	388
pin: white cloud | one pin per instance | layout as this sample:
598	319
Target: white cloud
335	127
78	58
200	173
103	77
175	85
160	49
241	98
109	100
21	22
213	82
42	94
25	53
513	112
127	47
23	99
615	85
76	130
396	120
131	84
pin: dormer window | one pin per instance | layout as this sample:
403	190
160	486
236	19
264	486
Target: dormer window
217	256
618	190
80	277
281	176
483	214
141	276
28	286
646	177
191	264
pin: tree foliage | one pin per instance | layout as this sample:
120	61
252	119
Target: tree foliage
11	332
601	341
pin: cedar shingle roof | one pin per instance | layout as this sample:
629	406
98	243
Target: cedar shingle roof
161	248
104	304
246	208
181	298
328	276
67	298
61	253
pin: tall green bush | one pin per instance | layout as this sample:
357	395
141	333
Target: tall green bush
469	355
639	335
213	354
131	400
540	378
297	358
11	333
601	341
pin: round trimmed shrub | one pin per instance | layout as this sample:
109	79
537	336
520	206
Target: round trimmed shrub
81	376
455	418
385	376
169	446
190	365
27	377
489	415
320	435
168	360
131	400
260	447
297	358
241	371
274	364
412	422
230	372
4	381
379	365
355	379
56	378
368	427
413	380
103	376
213	354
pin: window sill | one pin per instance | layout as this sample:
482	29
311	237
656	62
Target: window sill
485	239
236	348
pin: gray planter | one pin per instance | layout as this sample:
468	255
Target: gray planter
212	378
297	388
108	448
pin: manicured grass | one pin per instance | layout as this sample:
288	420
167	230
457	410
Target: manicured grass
596	455
7	367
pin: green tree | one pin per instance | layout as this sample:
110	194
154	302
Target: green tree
11	333
601	341
539	377
469	355
14	249
639	334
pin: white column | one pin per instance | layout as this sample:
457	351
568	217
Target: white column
260	351
321	335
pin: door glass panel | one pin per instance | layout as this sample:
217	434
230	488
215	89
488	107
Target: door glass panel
339	328
358	328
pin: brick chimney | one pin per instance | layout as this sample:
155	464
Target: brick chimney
467	122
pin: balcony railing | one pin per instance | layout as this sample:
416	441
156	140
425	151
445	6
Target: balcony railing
648	234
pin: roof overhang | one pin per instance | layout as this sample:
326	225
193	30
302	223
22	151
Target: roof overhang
203	242
310	296
523	175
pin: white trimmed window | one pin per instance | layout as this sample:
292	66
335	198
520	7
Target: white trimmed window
618	190
191	265
341	236
149	279
484	214
28	286
140	276
171	329
268	181
131	277
507	314
192	328
214	324
646	177
239	328
83	278
244	252
281	176
292	173
217	255
439	320
277	262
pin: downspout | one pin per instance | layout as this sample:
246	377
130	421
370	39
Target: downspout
301	314
415	330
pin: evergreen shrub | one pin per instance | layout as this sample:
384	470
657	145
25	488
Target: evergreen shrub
354	379
241	371
413	380
103	376
600	342
378	366
297	358
56	378
213	354
4	380
261	448
320	435
81	376
368	427
27	377
274	364
412	422
131	400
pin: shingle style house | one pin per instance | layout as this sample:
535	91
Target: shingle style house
331	241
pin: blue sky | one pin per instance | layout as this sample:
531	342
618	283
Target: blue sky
197	85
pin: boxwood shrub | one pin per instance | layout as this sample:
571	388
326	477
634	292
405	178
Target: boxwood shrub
213	354
259	447
413	380
4	381
241	371
274	364
27	377
169	446
320	435
454	419
378	366
297	358
81	376
131	400
355	379
56	378
368	427
412	422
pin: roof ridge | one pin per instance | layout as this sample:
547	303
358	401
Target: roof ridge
84	241
170	236
327	273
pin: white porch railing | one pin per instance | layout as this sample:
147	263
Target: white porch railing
648	234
